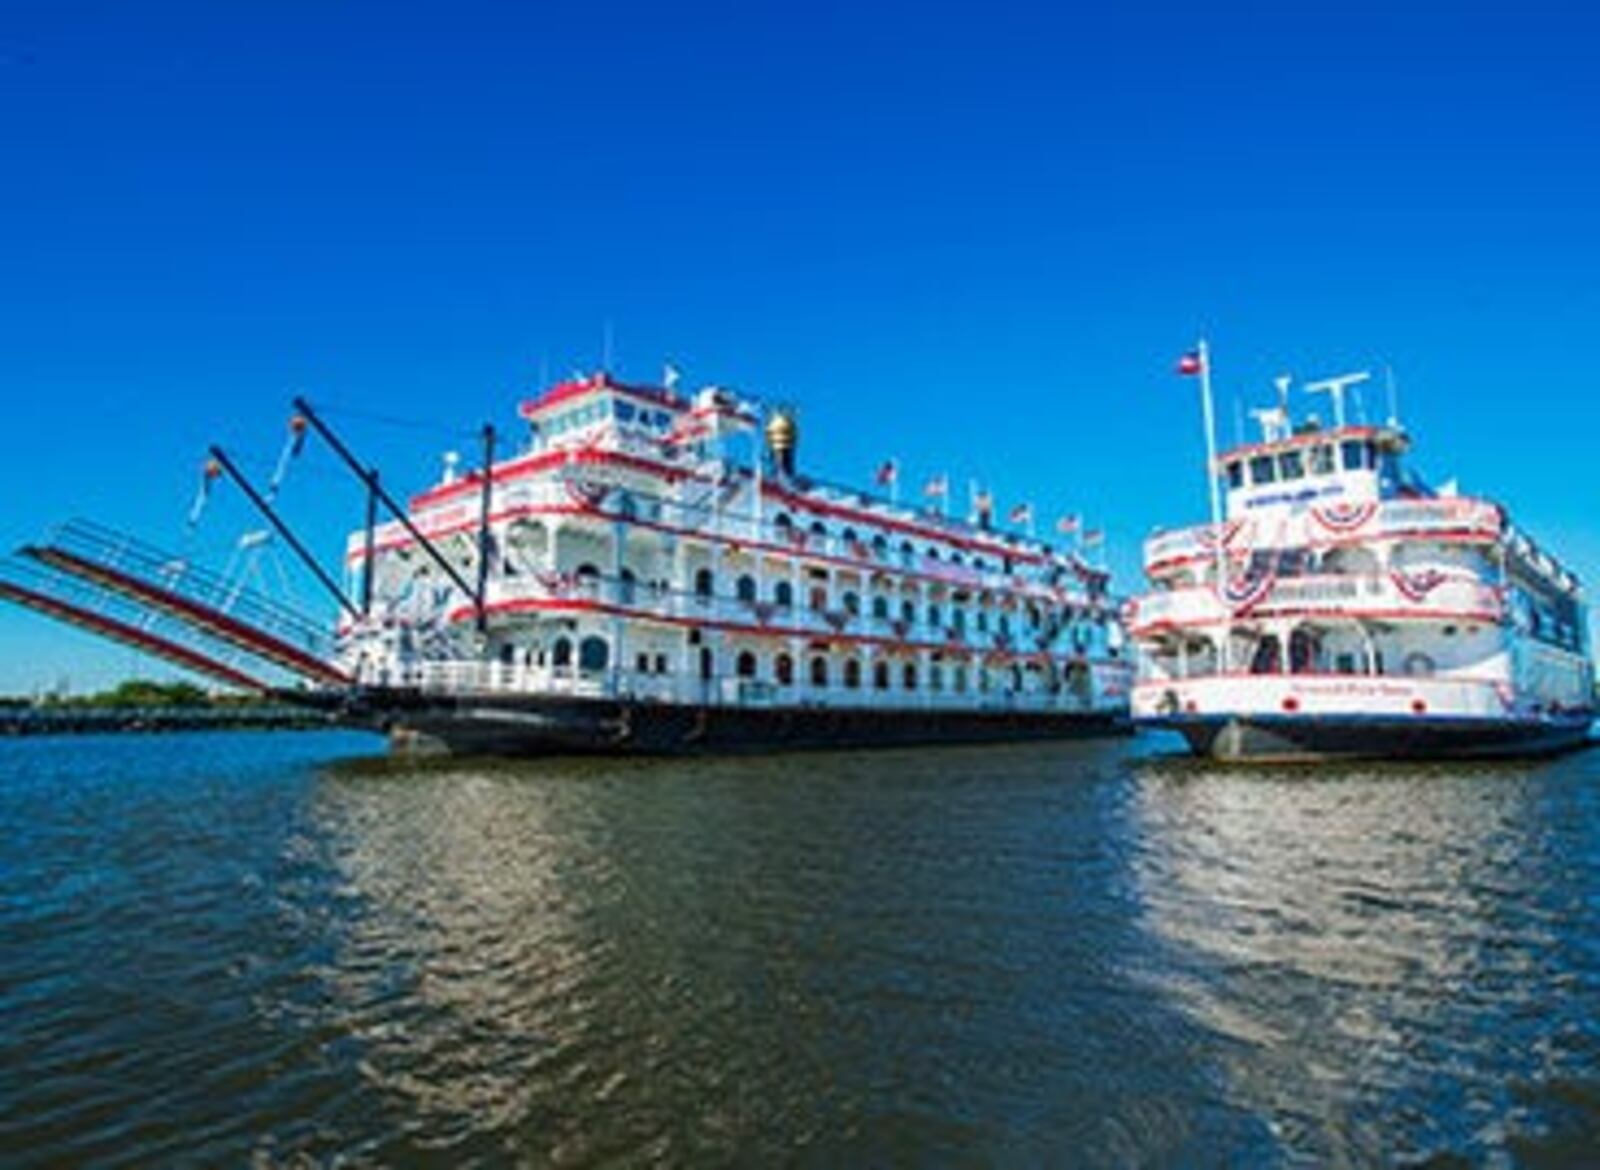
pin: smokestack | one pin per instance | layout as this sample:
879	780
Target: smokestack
783	434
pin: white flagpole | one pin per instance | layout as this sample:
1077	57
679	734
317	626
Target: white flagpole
1216	494
894	482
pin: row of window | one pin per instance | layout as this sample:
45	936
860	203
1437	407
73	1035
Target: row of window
879	545
747	666
1299	462
745	590
606	408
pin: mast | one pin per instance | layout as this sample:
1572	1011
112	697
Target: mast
1209	414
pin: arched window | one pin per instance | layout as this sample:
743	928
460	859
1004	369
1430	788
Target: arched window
960	679
908	676
880	676
819	598
708	664
561	653
880	547
933	616
593	653
783	595
852	673
819	530
704	582
933	553
880	608
745	666
783	669
848	536
958	621
936	678
908	611
819	671
852	601
588	579
627	585
746	588
907	553
783	524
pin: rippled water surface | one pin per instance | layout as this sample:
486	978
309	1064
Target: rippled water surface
224	949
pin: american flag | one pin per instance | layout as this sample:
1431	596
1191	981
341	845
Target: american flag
1067	525
1021	514
1094	536
888	472
1191	363
937	487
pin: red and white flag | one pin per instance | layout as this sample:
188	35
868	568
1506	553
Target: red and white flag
888	473
937	488
1093	537
1021	514
1067	525
1191	363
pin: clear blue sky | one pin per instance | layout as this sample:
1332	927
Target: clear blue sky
973	236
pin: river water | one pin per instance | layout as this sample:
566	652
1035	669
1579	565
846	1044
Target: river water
226	949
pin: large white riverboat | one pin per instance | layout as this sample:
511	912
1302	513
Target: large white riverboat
1340	606
653	572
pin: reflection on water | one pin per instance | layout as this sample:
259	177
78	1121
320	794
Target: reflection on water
1394	960
231	947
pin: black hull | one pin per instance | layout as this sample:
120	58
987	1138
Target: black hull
543	725
1270	739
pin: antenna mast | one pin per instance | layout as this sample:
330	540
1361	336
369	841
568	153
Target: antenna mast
1334	388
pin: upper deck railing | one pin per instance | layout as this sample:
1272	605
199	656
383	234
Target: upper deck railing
1387	596
1459	517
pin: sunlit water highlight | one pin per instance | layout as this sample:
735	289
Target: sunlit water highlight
222	948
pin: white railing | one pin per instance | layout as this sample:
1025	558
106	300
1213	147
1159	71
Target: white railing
493	678
641	600
462	513
1396	595
1457	515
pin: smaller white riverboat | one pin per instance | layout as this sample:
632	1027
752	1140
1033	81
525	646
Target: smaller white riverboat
1339	606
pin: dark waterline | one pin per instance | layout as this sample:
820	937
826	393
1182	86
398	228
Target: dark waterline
223	947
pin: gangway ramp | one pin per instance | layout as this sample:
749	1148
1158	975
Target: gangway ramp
79	606
221	609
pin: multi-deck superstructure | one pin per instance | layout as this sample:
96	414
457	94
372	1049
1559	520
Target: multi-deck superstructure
1342	606
657	574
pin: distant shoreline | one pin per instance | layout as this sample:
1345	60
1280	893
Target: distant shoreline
85	720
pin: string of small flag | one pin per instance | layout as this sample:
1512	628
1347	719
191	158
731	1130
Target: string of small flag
981	505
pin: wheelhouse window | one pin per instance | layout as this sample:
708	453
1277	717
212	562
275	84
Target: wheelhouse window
1263	470
1354	453
1291	464
1235	474
1322	460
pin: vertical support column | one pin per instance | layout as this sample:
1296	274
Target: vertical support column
618	624
484	539
368	565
